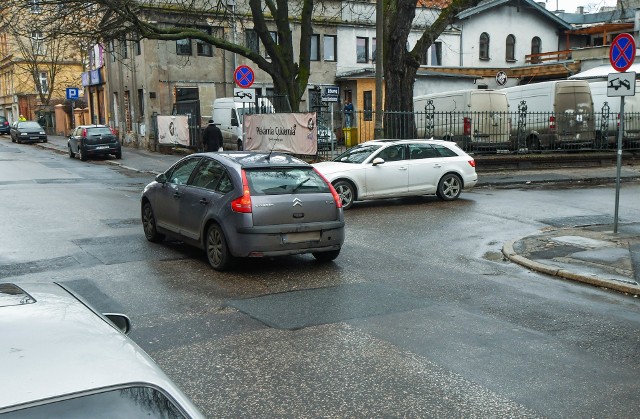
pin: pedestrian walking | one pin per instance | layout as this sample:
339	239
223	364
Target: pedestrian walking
212	137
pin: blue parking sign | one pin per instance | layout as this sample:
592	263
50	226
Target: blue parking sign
73	93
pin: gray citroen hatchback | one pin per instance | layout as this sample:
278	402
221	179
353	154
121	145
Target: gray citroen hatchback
245	204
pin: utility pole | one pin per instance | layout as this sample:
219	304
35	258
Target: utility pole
379	131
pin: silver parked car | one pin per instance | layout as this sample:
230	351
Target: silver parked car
245	204
62	359
396	168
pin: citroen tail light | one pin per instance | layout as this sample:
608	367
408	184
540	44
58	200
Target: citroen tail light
335	195
243	203
472	163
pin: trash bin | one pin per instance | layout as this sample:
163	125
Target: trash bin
350	136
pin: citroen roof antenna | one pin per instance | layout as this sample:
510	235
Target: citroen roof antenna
275	140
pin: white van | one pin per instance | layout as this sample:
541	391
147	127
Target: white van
559	114
228	115
631	115
477	120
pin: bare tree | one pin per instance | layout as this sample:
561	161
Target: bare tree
288	70
400	63
44	56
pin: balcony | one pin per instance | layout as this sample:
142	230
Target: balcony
553	57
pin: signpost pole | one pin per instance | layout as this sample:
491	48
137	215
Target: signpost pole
331	128
618	165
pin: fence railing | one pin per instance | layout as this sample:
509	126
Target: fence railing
501	132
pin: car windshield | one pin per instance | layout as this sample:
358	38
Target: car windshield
279	181
29	124
357	154
132	402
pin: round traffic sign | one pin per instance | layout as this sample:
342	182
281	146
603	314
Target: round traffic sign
622	52
244	76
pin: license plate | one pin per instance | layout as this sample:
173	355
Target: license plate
102	147
308	236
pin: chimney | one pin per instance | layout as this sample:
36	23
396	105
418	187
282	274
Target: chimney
580	10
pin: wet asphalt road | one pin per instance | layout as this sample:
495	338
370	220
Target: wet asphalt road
419	316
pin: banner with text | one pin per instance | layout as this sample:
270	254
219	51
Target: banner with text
294	133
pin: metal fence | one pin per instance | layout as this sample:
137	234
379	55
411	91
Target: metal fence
498	132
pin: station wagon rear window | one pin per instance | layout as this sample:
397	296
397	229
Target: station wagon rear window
280	181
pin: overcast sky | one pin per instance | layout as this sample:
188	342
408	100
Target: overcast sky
570	6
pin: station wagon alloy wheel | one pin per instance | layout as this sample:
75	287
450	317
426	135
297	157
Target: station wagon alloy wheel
449	187
346	193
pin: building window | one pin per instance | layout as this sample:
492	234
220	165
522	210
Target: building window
314	55
536	47
367	101
138	47
251	40
362	50
43	82
36	6
37	43
141	102
183	47
124	47
373	49
329	53
204	49
484	46
274	36
436	53
510	53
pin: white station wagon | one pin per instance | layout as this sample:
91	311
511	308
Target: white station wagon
396	168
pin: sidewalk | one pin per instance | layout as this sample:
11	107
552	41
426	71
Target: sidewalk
586	252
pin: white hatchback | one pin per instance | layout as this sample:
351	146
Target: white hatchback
396	168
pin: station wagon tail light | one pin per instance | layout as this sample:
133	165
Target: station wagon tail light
552	122
467	126
335	195
472	163
243	203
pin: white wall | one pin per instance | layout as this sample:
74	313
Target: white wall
499	22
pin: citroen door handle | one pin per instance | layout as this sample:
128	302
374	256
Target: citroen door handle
437	165
204	201
176	195
402	168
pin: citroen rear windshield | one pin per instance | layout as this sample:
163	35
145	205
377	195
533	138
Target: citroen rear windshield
287	180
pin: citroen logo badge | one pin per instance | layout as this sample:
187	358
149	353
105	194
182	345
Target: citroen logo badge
297	202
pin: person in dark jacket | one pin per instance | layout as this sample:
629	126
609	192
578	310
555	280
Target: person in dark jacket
212	137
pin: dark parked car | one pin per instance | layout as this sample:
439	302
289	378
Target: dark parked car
4	126
93	140
27	132
245	204
63	359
